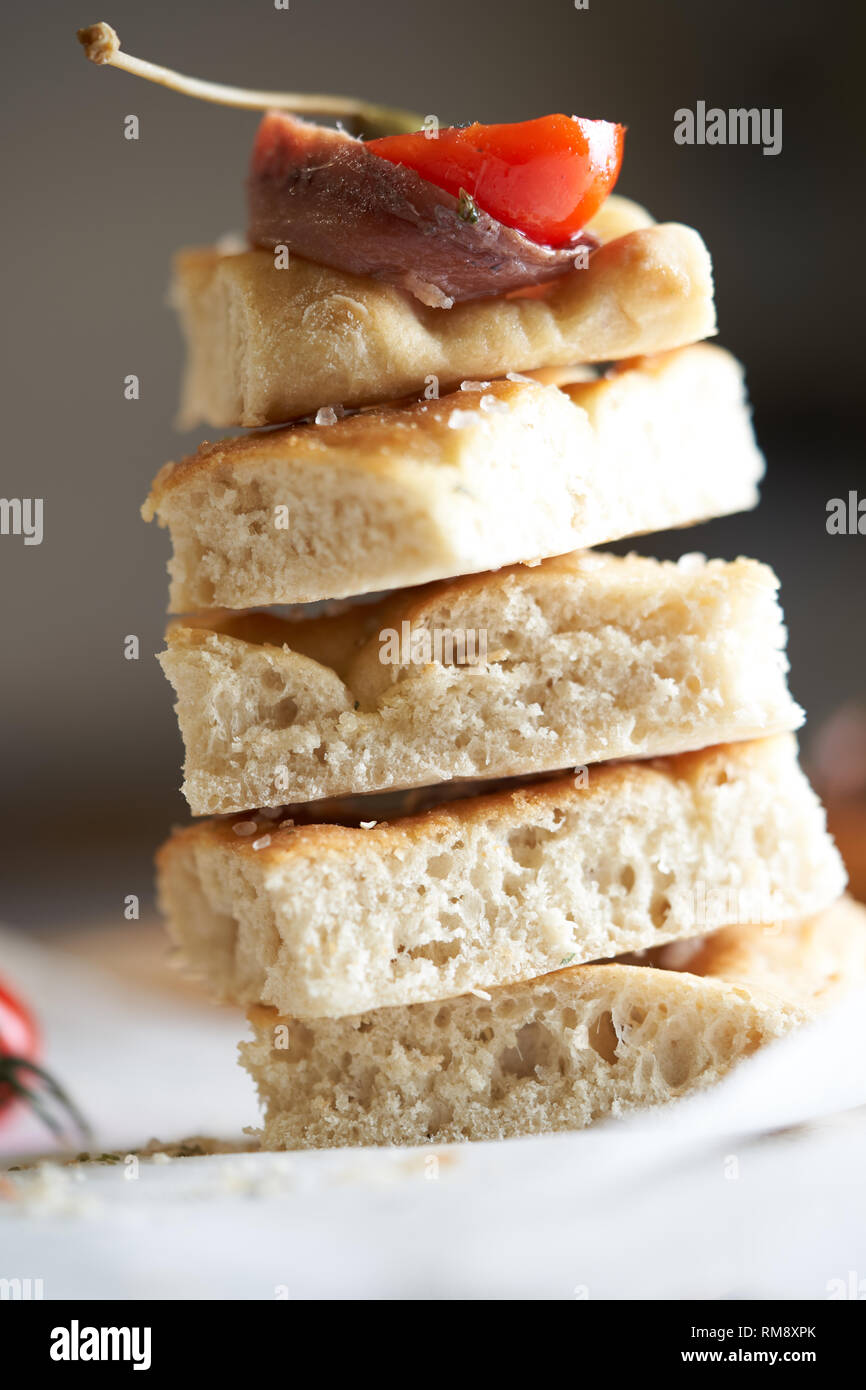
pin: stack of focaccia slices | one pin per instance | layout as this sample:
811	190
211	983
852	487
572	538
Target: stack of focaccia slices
506	835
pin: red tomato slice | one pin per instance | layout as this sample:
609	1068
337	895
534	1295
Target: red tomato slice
545	177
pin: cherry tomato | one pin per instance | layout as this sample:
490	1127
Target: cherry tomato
19	1038
23	1079
545	177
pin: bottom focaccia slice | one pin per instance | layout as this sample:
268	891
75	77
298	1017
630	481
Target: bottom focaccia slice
554	1053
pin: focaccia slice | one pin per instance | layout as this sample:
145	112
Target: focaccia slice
268	343
577	660
493	475
332	910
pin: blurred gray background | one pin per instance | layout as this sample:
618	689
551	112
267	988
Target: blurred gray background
90	749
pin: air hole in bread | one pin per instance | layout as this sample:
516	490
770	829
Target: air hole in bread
250	497
451	921
525	845
363	1090
439	952
480	878
533	1047
301	1039
603	1036
286	712
271	679
439	866
676	1062
659	909
440	1116
508	1007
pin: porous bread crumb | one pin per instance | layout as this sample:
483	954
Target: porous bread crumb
481	890
399	495
577	660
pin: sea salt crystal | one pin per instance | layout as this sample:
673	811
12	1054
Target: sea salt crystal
262	842
368	824
474	385
231	244
491	405
245	827
692	562
460	419
329	414
517	376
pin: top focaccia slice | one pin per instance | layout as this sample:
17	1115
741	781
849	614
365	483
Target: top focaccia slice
269	343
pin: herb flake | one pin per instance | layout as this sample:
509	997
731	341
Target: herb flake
467	208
